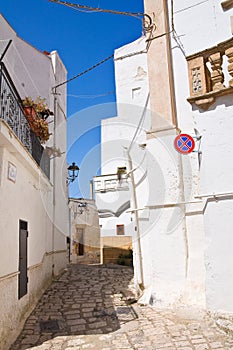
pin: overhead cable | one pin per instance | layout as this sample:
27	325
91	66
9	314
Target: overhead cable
147	19
130	55
174	33
140	123
92	96
97	65
84	72
191	6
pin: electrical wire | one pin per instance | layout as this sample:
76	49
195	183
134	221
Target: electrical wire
140	122
97	9
189	7
84	72
27	72
147	21
174	33
92	96
130	55
97	65
138	166
159	36
176	37
147	25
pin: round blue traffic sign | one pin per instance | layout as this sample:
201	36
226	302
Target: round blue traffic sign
184	143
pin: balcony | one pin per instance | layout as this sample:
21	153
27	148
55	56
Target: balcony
211	74
11	111
110	183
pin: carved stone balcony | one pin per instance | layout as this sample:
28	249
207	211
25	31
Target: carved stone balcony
208	74
11	111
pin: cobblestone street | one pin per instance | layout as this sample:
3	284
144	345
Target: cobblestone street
87	308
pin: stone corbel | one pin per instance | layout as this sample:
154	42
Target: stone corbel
227	4
206	100
205	103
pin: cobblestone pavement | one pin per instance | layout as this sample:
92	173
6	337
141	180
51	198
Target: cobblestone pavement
86	308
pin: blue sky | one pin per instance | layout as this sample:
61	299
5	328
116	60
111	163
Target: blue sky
82	39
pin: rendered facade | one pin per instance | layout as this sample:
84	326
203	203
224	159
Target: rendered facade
33	201
180	205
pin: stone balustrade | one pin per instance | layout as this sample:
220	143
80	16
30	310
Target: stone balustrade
206	74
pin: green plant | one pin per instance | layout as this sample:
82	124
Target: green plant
126	258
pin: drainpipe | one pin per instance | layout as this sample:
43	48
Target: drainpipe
70	232
137	228
54	183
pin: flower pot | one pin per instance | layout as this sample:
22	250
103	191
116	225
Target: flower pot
30	113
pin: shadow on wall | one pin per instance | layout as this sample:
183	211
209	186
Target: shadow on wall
221	100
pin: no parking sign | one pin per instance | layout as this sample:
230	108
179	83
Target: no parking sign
184	143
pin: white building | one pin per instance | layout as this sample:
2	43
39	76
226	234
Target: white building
185	258
181	204
113	193
85	231
33	200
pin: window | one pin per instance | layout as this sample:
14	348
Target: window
120	230
136	92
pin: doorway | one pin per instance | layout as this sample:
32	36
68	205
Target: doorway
80	235
23	247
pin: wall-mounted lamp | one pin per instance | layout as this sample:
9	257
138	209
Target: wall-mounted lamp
73	170
81	206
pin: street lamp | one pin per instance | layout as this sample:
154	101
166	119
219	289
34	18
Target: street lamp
73	170
81	206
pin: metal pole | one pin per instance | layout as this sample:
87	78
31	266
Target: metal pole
54	184
141	284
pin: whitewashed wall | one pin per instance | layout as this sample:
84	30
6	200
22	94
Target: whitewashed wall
185	239
210	26
59	165
117	133
41	202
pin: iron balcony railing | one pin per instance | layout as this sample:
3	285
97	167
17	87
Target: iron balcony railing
11	111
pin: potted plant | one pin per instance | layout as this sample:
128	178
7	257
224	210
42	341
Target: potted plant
39	106
36	113
42	108
29	109
40	129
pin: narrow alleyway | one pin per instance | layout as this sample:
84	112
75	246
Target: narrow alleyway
86	308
